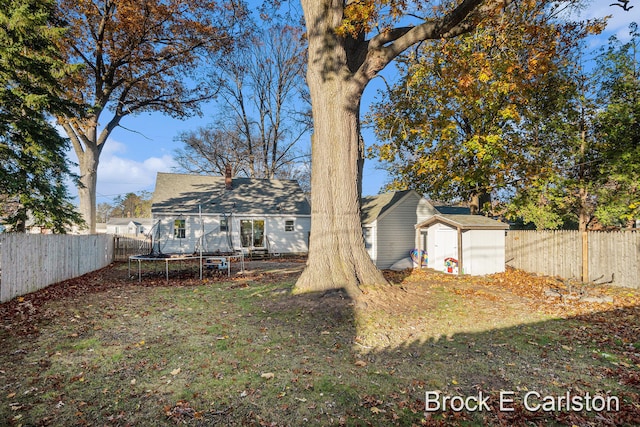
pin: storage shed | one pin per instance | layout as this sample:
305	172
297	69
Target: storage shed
463	244
388	222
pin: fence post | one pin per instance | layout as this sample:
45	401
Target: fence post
585	257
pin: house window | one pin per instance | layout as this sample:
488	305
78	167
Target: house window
289	225
179	228
252	233
367	233
224	224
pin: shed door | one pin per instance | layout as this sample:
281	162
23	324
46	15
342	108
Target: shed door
446	246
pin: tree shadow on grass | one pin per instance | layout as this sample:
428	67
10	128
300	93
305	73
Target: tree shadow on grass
576	371
257	355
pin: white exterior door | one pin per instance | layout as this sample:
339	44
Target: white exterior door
446	247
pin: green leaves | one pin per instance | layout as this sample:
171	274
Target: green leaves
617	127
33	168
455	125
508	110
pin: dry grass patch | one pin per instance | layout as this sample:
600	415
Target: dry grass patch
105	350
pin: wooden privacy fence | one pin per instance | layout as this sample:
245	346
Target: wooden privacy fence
29	262
599	256
125	246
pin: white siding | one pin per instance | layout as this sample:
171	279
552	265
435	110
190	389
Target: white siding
483	252
280	241
169	244
424	211
369	234
288	242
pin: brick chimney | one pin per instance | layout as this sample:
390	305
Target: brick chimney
227	178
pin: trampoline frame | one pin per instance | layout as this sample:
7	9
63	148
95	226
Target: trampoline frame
236	257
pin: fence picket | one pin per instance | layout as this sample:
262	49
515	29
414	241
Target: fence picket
29	262
125	246
613	256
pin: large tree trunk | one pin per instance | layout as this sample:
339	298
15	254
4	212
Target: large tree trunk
337	255
88	162
477	201
87	147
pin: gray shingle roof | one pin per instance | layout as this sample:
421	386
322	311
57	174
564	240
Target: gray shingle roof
466	222
452	210
184	193
373	206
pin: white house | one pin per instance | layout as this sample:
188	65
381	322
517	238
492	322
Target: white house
388	224
226	214
129	225
463	244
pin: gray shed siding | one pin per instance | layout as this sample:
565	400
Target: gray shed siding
395	234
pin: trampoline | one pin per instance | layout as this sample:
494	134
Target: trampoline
213	247
166	258
209	259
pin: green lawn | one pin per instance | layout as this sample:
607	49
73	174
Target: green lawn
105	350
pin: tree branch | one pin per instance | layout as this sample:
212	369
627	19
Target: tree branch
385	47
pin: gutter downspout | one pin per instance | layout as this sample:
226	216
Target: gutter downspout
459	229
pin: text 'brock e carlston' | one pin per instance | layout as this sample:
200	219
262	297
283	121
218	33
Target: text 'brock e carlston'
532	401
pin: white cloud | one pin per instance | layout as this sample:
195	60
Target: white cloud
118	174
618	23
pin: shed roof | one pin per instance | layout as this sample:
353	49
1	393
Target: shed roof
465	222
185	193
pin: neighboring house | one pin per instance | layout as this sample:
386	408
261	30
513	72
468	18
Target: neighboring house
228	214
388	224
133	226
465	244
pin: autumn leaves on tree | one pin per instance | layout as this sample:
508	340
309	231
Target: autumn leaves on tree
137	56
508	111
486	95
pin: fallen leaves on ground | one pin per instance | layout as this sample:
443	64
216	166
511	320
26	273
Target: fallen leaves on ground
611	329
181	412
569	302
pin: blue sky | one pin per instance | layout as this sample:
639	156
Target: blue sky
145	143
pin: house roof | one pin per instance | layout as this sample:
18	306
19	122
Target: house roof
452	210
374	206
126	221
184	193
465	222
